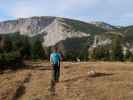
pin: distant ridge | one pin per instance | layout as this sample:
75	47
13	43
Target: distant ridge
68	33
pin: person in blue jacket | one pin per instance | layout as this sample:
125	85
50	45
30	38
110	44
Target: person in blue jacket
55	58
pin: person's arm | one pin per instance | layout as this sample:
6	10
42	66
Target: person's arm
60	57
51	59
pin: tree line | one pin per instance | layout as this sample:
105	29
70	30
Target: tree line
14	48
112	52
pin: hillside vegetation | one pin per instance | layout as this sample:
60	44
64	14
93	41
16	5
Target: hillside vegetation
33	38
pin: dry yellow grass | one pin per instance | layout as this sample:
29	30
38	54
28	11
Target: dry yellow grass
113	81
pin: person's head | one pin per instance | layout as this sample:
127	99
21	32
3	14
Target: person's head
55	49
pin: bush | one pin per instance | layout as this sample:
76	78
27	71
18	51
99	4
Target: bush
10	60
71	56
37	50
100	53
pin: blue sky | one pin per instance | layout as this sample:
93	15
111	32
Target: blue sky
116	12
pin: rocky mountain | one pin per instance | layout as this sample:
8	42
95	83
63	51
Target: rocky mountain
68	34
54	29
104	25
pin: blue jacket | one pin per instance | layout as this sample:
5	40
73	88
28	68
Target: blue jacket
55	58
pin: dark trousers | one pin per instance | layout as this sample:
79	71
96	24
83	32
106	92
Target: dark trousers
56	72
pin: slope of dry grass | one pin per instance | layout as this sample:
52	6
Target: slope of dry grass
113	81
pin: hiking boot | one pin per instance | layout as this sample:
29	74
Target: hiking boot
57	81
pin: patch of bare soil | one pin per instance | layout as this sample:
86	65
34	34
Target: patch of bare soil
111	81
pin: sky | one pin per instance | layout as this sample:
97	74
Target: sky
115	12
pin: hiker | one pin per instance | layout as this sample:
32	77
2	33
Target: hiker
55	59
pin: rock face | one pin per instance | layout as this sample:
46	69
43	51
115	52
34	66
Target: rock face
67	33
52	27
104	25
56	32
29	26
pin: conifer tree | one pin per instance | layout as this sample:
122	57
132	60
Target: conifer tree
117	52
37	50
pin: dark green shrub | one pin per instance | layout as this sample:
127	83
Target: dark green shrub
37	50
10	60
100	53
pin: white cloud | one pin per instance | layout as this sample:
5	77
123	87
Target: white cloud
22	12
70	4
112	11
45	7
24	9
126	19
127	16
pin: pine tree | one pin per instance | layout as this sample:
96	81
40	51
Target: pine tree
84	56
117	52
127	55
6	44
25	48
100	53
37	50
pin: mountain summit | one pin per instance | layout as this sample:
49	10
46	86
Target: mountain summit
55	29
68	33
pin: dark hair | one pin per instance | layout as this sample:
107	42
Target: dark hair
55	48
